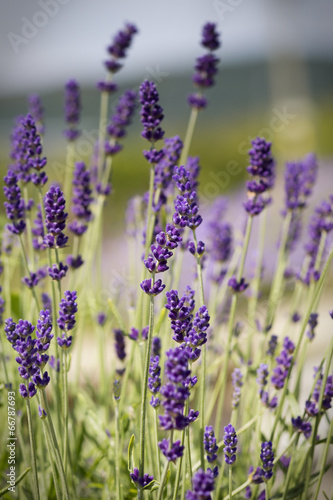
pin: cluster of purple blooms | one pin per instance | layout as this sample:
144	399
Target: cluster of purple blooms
230	444
321	223
175	392
262	380
262	473
284	360
72	109
32	352
66	319
55	218
164	170
82	199
186	204
15	208
119	121
37	112
154	380
151	117
139	481
211	448
203	484
237	383
27	152
205	67
117	50
311	406
262	169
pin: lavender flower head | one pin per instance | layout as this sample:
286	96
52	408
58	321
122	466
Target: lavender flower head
202	487
267	458
205	67
230	444
37	112
82	199
118	48
72	109
55	218
211	448
66	320
120	120
140	482
262	169
15	207
151	118
237	383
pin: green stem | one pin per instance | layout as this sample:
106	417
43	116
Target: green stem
230	483
324	458
239	489
145	385
28	271
69	170
157	448
55	445
65	407
316	294
164	475
28	232
33	451
117	451
102	125
189	135
278	277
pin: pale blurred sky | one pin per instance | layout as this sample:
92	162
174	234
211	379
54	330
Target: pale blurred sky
72	42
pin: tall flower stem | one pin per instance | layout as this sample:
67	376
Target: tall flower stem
203	362
224	372
324	458
69	170
28	223
65	407
102	126
230	483
33	452
317	421
189	135
278	277
55	445
117	450
316	294
158	463
28	270
144	389
163	479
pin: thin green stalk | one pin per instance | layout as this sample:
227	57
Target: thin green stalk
179	469
4	362
48	440
188	136
102	125
239	489
317	292
70	158
28	224
230	482
55	445
324	458
145	386
65	407
157	448
290	469
163	479
203	360
224	372
32	451
117	450
318	417
28	270
278	276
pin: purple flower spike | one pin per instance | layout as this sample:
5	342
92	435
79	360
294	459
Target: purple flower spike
267	458
55	218
262	169
67	311
202	487
74	262
119	344
140	482
154	289
313	322
37	112
82	199
210	444
301	426
237	383
238	286
230	444
210	37
57	273
15	207
171	452
72	109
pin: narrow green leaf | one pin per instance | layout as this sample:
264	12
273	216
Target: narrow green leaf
152	486
18	480
130	463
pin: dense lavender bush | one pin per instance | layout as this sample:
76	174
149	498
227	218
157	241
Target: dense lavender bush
159	416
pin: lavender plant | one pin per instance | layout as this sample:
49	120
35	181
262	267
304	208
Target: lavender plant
174	335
